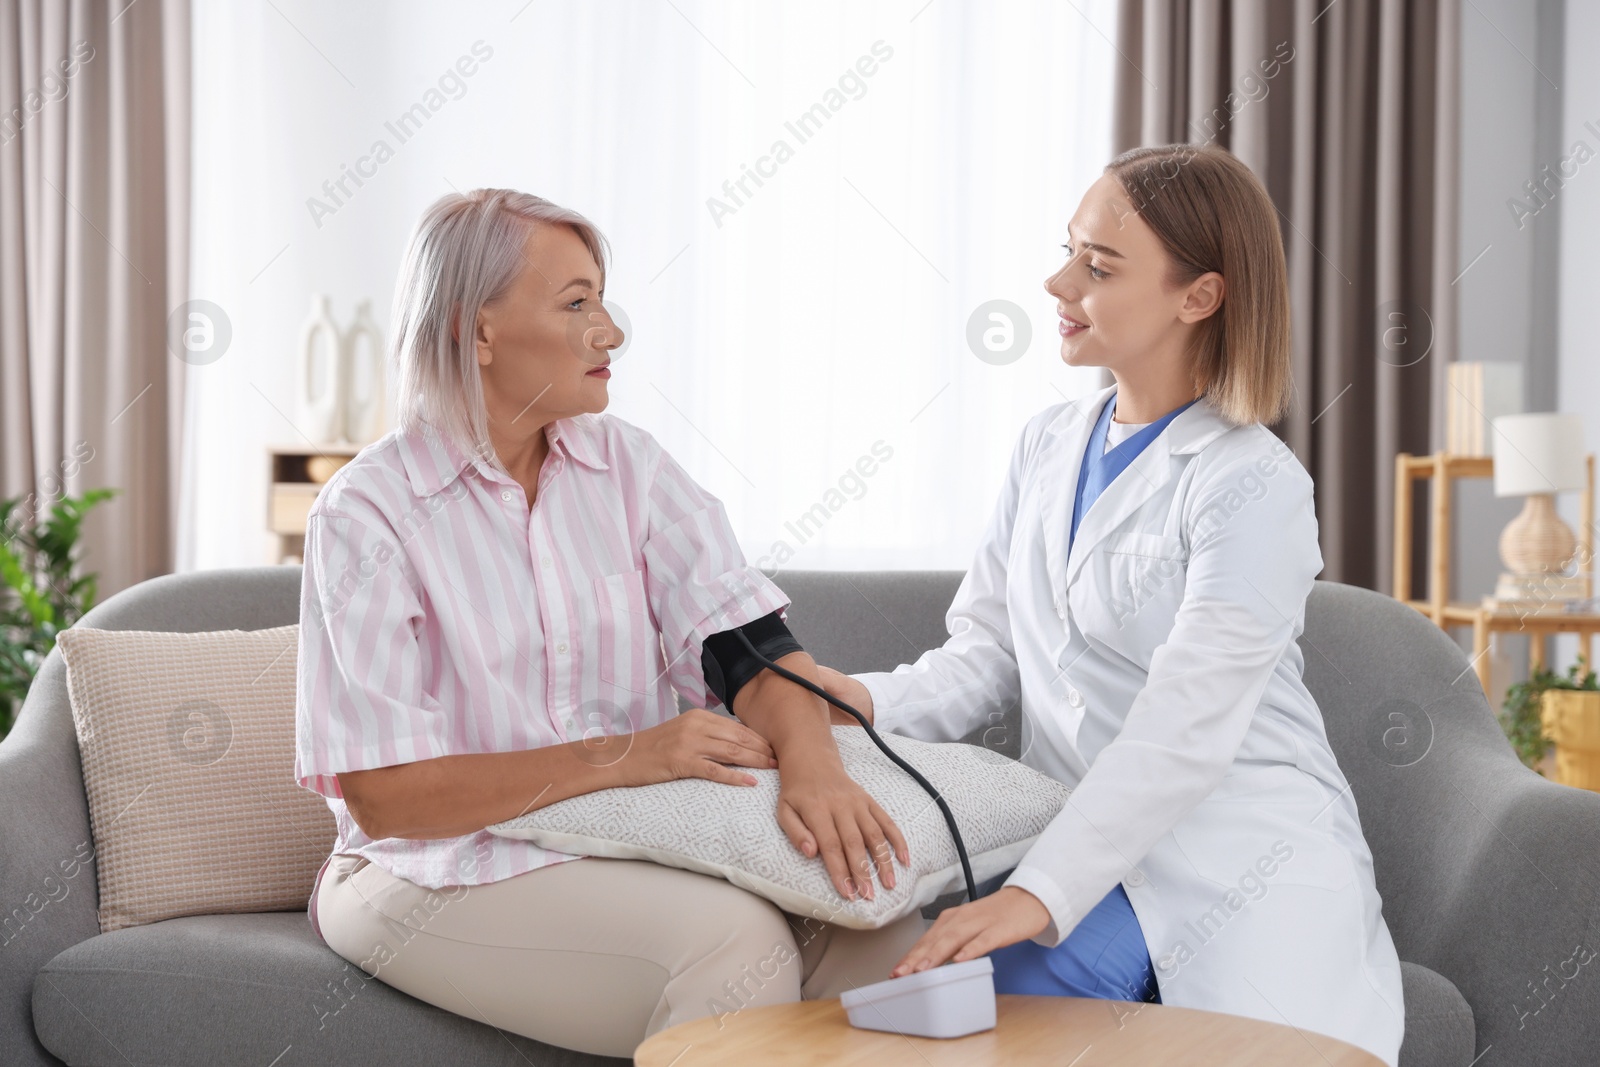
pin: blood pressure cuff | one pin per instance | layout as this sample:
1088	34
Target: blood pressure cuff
727	665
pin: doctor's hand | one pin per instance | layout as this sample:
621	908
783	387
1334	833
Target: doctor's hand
976	928
845	688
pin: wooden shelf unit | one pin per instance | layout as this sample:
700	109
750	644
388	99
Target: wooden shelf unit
1441	471
291	492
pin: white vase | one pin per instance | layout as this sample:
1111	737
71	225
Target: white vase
365	390
321	374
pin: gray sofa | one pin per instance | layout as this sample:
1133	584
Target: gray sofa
1488	872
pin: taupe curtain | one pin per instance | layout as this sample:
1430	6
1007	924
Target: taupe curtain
94	167
1348	111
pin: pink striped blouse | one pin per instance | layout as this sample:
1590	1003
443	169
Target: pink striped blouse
440	614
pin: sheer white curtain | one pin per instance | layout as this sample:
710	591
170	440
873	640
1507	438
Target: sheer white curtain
807	204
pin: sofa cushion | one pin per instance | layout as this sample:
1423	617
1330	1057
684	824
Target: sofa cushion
260	989
1440	1031
187	746
729	831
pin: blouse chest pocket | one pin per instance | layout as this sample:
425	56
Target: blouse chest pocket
629	646
1138	577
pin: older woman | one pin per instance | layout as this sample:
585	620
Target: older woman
500	599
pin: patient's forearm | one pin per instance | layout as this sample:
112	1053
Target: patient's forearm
787	715
453	795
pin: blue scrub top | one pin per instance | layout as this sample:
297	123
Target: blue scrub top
1100	467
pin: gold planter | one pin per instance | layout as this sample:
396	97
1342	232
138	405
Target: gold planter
1571	718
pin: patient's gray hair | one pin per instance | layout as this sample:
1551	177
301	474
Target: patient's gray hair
466	251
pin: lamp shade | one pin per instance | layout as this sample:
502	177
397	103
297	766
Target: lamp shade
1538	453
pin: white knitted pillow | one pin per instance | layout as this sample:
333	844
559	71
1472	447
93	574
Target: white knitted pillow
732	832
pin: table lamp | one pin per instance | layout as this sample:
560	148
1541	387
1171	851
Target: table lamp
1536	456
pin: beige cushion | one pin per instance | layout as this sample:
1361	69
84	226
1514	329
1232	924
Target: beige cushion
731	832
187	741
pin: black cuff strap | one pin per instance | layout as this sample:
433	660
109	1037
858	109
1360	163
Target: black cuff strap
727	665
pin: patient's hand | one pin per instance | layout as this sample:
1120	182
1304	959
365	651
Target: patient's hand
825	811
821	808
850	691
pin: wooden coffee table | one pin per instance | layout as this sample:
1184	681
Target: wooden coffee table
1059	1031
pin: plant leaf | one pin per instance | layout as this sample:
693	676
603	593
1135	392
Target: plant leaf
11	570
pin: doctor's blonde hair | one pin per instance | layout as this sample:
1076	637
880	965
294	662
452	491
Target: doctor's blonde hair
1212	213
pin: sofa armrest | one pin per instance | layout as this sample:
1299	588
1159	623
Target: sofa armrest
1517	896
48	888
1489	873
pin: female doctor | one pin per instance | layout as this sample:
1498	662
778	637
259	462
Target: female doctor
1139	591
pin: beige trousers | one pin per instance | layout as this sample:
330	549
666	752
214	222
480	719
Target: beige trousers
594	954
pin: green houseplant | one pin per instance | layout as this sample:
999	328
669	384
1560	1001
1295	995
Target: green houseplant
1521	717
39	594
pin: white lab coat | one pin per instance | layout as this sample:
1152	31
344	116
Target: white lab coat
1159	676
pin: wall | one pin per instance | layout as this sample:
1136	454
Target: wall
1517	116
1578	349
